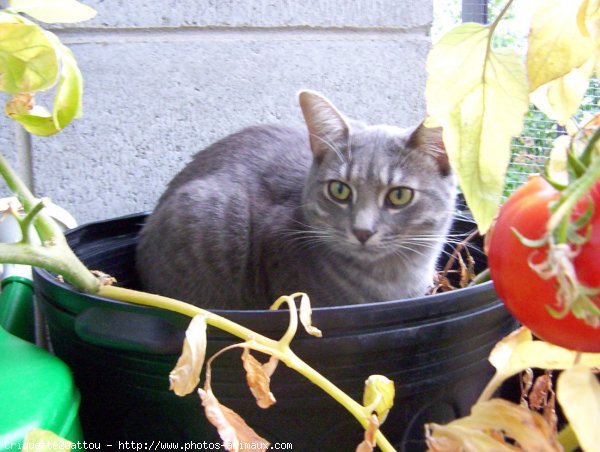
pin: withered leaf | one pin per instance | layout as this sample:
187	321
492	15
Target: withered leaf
379	390
258	379
495	425
232	429
368	444
306	317
186	375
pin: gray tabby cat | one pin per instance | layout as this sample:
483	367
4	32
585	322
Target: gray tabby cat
257	215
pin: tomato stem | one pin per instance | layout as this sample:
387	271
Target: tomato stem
574	192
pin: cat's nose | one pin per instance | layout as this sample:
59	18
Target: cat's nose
363	234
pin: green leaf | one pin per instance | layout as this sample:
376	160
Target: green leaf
479	96
67	101
578	392
556	44
54	11
69	93
28	60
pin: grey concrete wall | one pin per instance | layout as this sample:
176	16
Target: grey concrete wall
163	79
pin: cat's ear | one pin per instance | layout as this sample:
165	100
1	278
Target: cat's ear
429	140
327	128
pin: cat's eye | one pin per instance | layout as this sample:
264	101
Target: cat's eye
399	197
339	191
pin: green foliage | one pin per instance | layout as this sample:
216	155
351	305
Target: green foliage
34	60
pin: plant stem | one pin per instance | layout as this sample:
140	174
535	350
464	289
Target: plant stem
47	230
259	343
481	277
576	190
54	254
287	338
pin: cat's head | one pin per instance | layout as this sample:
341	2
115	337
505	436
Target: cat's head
375	190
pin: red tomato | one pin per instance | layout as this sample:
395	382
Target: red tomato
524	292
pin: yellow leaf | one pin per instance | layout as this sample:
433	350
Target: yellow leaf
454	438
186	375
368	444
258	380
578	393
556	44
528	428
306	317
478	133
480	109
232	429
493	425
449	82
28	60
503	351
54	11
560	98
588	18
518	351
380	392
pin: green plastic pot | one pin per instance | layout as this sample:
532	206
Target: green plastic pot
36	388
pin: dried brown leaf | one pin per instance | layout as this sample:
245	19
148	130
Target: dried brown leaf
232	429
526	385
270	366
455	438
306	317
186	375
258	380
368	444
538	397
529	429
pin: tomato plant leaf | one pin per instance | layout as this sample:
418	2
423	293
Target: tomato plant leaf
186	375
232	429
368	444
380	392
28	60
306	317
54	11
480	110
258	380
578	393
556	44
66	105
528	428
452	438
560	98
518	351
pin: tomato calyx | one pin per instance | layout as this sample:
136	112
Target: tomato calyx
567	232
571	296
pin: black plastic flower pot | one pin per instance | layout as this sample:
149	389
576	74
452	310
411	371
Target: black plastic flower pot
434	347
